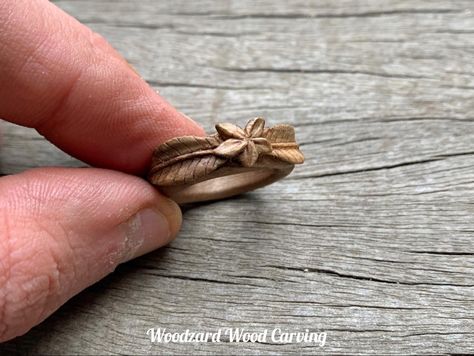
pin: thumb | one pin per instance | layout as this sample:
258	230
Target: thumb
61	230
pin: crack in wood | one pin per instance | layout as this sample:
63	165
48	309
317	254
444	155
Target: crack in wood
364	278
320	71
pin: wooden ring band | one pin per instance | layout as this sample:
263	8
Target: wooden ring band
190	168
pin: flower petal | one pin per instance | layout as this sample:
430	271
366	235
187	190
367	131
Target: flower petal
263	145
249	155
254	128
230	147
227	130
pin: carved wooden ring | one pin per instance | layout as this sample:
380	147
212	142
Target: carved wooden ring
233	161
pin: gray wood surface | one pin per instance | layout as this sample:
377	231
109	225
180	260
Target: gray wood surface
371	241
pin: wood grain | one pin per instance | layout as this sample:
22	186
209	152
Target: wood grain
371	240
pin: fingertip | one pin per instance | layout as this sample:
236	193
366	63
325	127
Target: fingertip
68	228
67	82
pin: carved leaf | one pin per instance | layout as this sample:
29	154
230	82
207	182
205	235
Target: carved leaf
280	133
183	145
290	155
284	147
187	170
184	159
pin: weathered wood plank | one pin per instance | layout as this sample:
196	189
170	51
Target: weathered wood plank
372	240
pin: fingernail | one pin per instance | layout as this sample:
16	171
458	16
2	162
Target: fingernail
145	232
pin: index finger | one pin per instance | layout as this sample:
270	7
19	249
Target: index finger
64	80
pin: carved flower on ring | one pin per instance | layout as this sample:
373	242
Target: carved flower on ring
245	145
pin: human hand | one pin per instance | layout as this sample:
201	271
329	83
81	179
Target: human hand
62	229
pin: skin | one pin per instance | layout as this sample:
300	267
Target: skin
63	229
